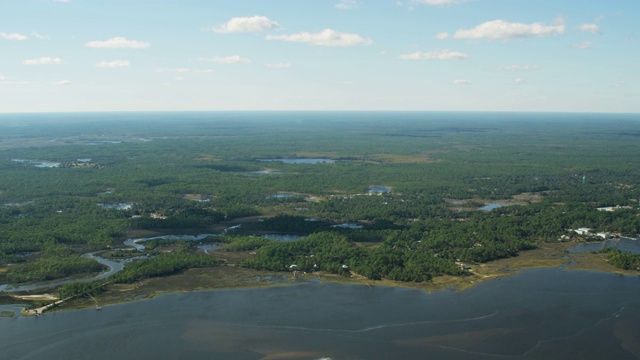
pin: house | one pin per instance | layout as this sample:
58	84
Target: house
604	235
583	231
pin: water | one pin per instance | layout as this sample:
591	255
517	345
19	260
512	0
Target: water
209	247
301	160
114	266
281	196
284	237
622	244
17	204
121	206
136	242
38	163
491	206
539	314
377	189
348	226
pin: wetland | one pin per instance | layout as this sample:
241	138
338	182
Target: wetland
469	210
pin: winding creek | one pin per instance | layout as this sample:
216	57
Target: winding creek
113	266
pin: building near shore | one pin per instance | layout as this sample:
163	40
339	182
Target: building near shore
583	231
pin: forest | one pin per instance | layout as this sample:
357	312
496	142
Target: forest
78	183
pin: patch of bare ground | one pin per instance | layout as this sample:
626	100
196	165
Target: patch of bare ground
42	297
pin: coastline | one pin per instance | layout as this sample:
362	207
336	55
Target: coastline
549	255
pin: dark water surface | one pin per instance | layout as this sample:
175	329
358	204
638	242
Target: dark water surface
539	314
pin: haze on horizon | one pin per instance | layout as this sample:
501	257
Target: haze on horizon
431	55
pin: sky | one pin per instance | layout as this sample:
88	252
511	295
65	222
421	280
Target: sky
409	55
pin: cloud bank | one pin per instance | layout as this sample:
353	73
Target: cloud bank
113	64
246	24
118	43
503	30
13	36
326	37
232	59
435	55
46	60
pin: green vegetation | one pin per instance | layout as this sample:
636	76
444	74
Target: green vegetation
623	260
7	313
199	172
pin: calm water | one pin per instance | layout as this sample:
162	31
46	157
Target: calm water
539	314
284	237
623	244
491	206
378	189
301	160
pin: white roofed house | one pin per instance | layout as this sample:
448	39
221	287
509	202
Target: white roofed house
583	231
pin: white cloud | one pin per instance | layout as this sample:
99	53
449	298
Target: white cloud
278	66
62	1
518	68
461	82
583	45
184	70
518	81
233	59
40	36
43	61
245	24
347	4
13	36
113	64
326	37
436	2
176	70
590	28
2	77
435	55
502	30
118	42
442	35
63	82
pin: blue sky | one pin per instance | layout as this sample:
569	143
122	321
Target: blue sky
433	55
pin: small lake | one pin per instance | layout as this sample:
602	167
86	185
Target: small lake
209	247
281	196
38	163
491	206
121	206
622	244
301	160
538	314
348	226
136	243
378	189
17	204
284	237
262	172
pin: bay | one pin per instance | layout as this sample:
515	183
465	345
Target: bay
538	314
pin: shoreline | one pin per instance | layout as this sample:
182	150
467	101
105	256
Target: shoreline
549	255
